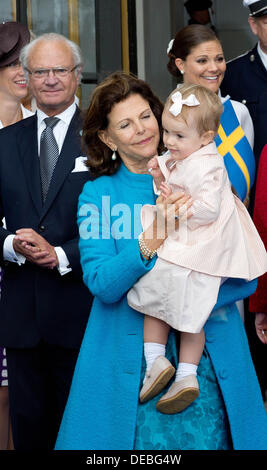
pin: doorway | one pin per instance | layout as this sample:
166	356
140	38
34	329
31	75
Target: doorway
96	25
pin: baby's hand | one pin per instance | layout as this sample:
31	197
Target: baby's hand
153	166
165	190
155	171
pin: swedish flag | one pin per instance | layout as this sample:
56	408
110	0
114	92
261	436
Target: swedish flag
233	145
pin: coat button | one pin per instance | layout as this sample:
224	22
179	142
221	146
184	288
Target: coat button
244	101
210	338
41	228
223	374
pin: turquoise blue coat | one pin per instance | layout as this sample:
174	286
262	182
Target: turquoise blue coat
101	412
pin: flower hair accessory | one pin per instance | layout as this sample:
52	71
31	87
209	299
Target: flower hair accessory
178	102
170	46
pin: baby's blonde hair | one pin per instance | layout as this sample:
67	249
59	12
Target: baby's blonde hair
207	114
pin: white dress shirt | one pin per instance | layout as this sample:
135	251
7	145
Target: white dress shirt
59	131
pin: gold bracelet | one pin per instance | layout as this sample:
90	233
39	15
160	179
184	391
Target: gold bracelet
146	252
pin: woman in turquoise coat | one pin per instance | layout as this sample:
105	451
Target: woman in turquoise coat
103	411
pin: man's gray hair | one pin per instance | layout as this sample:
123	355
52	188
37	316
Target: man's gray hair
76	51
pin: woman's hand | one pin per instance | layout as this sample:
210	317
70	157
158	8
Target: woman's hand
261	326
170	211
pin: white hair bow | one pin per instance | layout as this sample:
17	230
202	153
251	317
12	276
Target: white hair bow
170	46
178	102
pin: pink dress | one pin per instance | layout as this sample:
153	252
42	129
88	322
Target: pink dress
218	241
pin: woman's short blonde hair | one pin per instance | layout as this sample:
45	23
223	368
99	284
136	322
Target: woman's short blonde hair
207	114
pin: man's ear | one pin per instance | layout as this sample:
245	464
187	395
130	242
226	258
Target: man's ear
253	25
207	137
79	75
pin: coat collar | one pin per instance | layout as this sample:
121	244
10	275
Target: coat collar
254	58
209	149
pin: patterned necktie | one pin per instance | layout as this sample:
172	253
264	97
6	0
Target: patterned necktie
48	153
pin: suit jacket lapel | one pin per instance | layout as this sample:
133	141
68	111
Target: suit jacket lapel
260	70
71	149
28	152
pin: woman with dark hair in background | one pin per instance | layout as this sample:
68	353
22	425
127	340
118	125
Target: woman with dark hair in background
196	56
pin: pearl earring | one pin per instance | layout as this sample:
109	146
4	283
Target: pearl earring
114	156
182	72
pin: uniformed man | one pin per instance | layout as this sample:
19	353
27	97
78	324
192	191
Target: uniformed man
245	79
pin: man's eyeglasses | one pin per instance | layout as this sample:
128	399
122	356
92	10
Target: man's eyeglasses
59	72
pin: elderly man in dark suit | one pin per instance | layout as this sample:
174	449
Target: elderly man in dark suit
44	303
